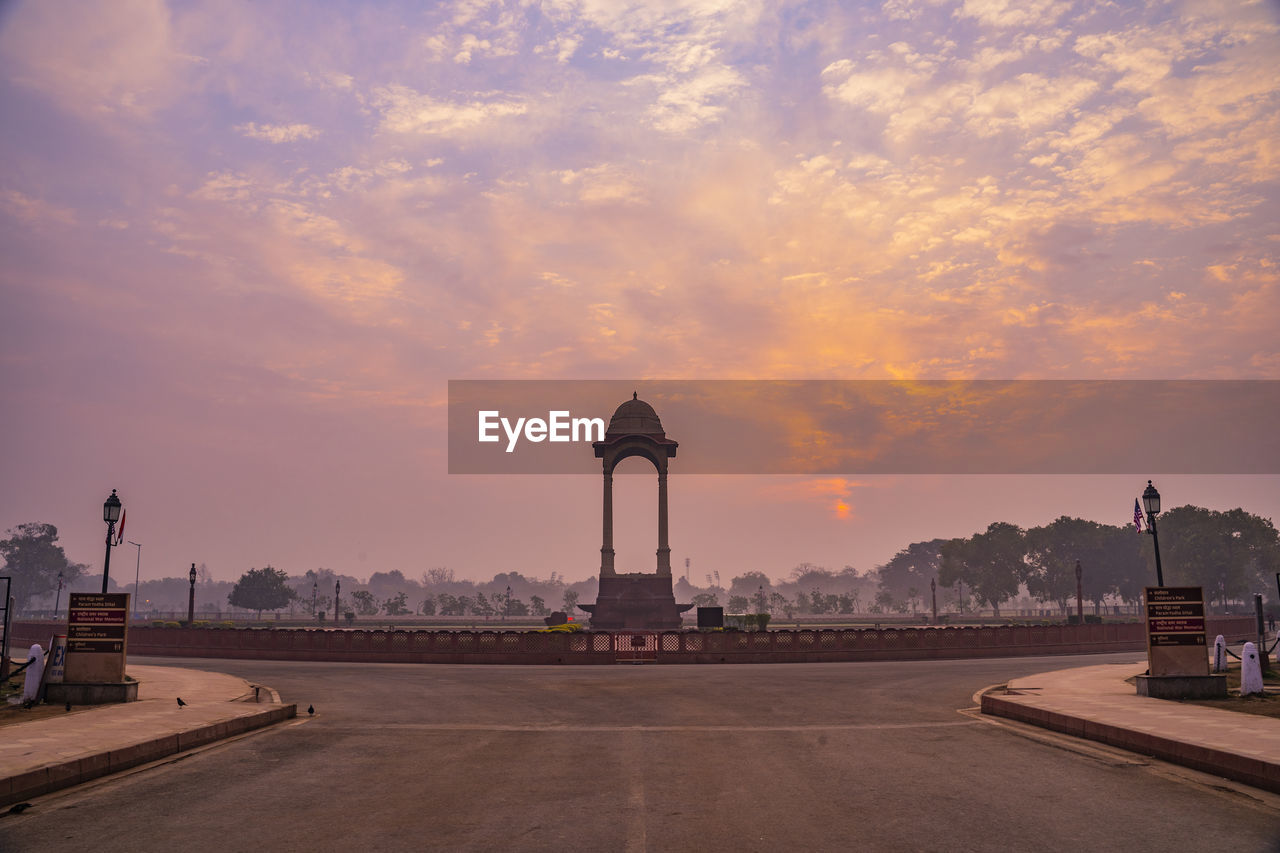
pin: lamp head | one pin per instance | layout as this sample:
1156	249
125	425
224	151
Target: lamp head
111	509
1151	499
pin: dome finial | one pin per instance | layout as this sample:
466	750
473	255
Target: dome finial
635	395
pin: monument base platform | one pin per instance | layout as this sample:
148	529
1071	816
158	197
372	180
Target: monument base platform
1183	686
90	693
635	602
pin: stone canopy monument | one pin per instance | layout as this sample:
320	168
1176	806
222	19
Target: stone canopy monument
635	600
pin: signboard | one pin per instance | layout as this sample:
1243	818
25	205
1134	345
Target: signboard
97	634
1176	642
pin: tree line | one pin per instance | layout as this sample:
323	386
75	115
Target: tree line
1231	554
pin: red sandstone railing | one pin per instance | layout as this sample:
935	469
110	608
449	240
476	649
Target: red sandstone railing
513	647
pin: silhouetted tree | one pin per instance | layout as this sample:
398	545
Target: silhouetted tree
261	589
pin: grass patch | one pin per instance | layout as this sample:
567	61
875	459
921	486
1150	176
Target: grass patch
1266	705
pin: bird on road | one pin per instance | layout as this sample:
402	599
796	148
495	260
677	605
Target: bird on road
311	710
19	808
181	704
68	706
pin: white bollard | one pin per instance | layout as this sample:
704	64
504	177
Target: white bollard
1250	671
31	687
1219	654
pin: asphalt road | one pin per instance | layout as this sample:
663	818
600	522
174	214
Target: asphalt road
847	756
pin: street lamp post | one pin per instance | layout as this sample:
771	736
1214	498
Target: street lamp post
506	607
137	571
57	599
1079	594
315	588
760	594
933	592
110	514
191	598
337	590
1151	503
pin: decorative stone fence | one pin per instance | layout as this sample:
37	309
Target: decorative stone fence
513	647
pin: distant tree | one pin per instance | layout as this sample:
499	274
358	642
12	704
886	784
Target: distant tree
1052	552
466	604
261	589
884	602
438	576
570	601
450	605
428	606
992	563
365	603
705	599
516	607
482	606
33	558
738	604
748	585
913	566
1231	554
539	606
396	604
779	603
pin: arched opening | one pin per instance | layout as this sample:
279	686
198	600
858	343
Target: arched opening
635	515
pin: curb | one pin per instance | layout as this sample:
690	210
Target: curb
1229	765
54	777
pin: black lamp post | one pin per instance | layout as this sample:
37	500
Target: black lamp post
1151	503
57	599
760	593
337	590
315	589
191	599
110	514
506	607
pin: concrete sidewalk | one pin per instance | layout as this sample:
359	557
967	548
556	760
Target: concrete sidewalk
91	741
1095	702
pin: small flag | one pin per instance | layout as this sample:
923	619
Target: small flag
1137	517
120	532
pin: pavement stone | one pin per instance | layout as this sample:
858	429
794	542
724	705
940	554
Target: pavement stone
57	752
1096	703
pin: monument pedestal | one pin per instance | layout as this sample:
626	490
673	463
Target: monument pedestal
635	602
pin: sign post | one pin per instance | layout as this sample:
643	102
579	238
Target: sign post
97	637
1177	647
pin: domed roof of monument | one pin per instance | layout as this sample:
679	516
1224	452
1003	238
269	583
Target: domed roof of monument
635	417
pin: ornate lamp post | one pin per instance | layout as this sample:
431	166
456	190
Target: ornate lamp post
315	588
506	606
337	590
1079	594
110	514
760	595
1151	503
57	599
191	599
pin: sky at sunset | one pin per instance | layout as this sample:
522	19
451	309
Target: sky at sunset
246	245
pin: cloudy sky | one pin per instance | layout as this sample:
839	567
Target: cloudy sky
246	245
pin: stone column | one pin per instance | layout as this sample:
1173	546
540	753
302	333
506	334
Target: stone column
606	546
664	550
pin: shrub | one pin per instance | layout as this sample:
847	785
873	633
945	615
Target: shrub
171	625
566	628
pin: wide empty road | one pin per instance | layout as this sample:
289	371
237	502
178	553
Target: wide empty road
856	756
